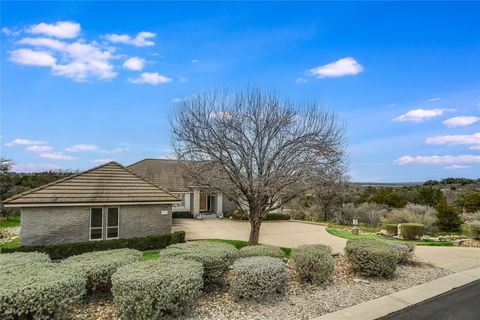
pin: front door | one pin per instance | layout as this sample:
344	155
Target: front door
203	201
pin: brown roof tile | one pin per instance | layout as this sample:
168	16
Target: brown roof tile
165	173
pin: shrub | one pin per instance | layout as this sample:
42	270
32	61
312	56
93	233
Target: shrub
39	291
448	218
314	263
261	250
157	289
392	229
216	257
239	214
411	231
258	278
371	258
276	216
98	267
475	229
62	251
368	213
413	213
13	261
182	215
298	215
404	252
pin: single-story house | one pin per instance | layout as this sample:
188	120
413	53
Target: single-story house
106	202
169	174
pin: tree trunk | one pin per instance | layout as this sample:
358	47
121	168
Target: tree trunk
255	223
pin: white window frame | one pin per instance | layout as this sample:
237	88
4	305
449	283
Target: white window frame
118	224
90	224
181	204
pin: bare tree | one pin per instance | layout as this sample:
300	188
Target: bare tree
255	148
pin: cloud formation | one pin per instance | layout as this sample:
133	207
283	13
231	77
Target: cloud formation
32	58
342	67
35	167
102	160
456	167
36	148
461	121
24	142
420	115
82	148
452	140
151	78
140	40
445	159
56	155
134	63
60	29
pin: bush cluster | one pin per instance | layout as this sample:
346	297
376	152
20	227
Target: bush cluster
371	258
261	250
62	251
98	267
411	231
215	257
404	252
258	278
182	215
475	229
276	216
38	290
369	213
314	263
413	213
391	228
157	289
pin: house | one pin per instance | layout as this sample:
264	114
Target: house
106	202
169	174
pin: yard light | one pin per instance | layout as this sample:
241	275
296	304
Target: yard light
355	226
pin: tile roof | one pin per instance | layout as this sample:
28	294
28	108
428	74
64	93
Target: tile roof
108	183
165	173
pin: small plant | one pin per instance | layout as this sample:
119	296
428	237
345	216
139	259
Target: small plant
372	258
475	229
98	267
391	228
157	289
261	250
258	278
216	257
314	263
411	231
404	252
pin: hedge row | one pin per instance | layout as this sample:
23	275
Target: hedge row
182	215
62	251
412	231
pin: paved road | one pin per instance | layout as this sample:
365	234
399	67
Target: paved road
458	304
293	234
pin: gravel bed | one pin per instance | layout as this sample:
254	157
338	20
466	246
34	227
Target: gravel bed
303	301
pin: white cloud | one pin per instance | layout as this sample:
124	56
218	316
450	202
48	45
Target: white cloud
468	139
419	115
151	78
35	167
301	80
134	63
44	42
432	99
82	148
60	29
461	121
102	160
24	142
456	166
446	159
56	155
9	32
36	148
341	67
31	57
140	39
116	150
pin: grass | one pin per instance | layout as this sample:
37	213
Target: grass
150	255
11	244
10	222
348	235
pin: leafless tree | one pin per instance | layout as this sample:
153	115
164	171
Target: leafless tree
255	148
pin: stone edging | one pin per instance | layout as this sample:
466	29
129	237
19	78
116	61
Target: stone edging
383	306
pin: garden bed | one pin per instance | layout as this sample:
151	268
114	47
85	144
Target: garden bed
302	301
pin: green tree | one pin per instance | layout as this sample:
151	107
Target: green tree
389	197
448	216
428	196
471	201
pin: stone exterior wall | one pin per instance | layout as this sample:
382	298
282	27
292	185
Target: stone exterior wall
57	225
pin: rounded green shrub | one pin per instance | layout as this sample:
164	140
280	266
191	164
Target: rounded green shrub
404	252
261	250
157	289
474	227
215	257
411	231
314	263
20	259
371	258
391	228
99	266
258	278
39	290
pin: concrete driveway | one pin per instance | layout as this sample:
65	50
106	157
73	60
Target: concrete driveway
293	234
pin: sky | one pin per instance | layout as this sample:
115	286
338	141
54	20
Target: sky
84	83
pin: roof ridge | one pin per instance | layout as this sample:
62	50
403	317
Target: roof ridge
148	181
60	180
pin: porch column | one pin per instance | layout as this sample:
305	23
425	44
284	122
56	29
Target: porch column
219	205
196	204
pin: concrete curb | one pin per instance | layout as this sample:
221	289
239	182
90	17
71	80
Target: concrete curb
386	305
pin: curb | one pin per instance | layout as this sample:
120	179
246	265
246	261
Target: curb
386	305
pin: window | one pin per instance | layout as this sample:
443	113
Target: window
181	204
96	224
112	223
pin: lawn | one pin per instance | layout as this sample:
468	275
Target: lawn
10	222
11	244
348	235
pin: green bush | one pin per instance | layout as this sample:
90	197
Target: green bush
411	231
157	289
13	261
276	216
392	229
39	290
475	229
216	257
99	266
314	263
371	258
261	250
62	251
448	217
404	252
182	215
258	278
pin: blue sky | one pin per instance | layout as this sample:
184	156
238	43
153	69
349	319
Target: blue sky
83	83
